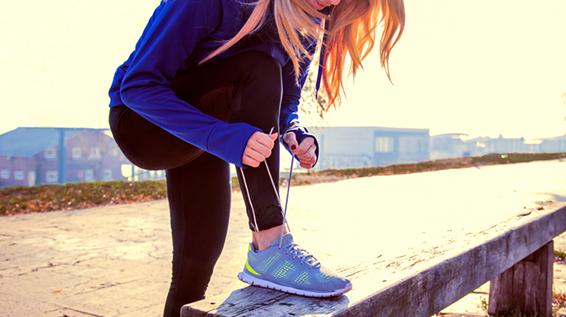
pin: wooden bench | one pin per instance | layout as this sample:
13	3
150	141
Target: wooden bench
515	254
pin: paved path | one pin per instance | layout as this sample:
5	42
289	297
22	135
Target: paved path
116	260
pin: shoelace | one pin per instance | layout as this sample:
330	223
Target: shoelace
302	254
284	212
292	248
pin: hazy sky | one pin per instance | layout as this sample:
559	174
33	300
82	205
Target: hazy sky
478	67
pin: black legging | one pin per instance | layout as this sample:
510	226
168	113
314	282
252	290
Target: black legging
242	88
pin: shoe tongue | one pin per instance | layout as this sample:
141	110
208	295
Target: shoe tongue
287	239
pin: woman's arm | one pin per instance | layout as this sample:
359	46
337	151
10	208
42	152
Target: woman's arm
289	114
146	87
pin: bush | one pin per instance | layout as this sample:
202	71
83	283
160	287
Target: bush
78	195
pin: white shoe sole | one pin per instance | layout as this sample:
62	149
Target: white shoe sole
252	280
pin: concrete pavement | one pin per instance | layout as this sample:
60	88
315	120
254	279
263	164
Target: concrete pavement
116	260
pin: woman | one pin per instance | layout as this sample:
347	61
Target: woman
207	83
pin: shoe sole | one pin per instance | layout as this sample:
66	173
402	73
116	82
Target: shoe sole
252	280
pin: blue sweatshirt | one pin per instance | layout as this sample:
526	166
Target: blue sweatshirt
177	36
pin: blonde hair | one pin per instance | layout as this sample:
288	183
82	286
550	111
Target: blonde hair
352	29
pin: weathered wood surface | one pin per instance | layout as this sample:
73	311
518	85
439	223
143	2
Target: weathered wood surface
526	287
476	232
416	294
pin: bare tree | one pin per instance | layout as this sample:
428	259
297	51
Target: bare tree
311	109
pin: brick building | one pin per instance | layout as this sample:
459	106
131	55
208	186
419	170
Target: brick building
31	156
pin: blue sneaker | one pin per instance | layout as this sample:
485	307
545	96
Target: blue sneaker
291	269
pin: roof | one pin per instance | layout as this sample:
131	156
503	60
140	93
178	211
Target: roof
28	141
374	128
454	134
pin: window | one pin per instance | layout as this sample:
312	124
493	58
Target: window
31	178
76	152
384	144
94	153
51	176
89	175
107	174
5	174
19	175
49	153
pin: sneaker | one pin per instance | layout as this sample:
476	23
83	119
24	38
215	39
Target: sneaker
291	269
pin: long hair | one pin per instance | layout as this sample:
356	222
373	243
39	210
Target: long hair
352	29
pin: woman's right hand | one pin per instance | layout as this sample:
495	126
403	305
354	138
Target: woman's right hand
258	148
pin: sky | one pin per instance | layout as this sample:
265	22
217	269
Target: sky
484	68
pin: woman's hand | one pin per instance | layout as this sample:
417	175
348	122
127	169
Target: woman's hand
305	151
258	148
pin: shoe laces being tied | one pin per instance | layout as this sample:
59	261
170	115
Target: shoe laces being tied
303	255
292	248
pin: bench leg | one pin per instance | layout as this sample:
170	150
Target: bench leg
526	287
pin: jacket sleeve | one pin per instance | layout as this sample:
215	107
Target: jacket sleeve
289	114
146	87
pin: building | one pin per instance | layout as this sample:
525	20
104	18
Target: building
554	145
348	147
507	145
452	145
31	156
17	171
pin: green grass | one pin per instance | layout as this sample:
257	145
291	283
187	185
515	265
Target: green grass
474	161
16	200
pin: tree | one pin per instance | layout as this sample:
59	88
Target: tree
311	109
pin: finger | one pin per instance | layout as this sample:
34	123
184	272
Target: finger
311	155
261	149
309	161
309	158
305	145
265	139
312	150
262	156
273	136
291	140
306	165
254	154
249	161
308	155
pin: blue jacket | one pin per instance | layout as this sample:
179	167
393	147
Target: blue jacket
177	36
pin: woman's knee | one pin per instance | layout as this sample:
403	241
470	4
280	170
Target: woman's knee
263	73
146	145
261	69
260	64
258	95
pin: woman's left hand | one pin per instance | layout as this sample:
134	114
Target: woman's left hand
304	151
